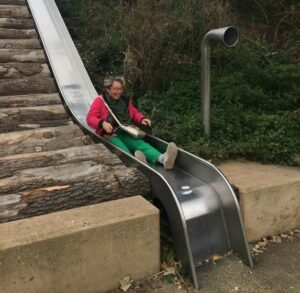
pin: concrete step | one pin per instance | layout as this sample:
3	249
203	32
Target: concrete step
88	249
25	118
269	196
29	100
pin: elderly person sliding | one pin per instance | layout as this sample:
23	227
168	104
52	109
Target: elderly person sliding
100	119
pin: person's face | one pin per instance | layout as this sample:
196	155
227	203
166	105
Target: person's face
115	90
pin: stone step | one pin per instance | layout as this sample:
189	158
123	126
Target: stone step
40	140
25	118
22	55
14	11
13	23
20	44
29	100
20	70
6	33
269	196
27	85
94	152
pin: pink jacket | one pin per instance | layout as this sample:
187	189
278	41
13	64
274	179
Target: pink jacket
98	112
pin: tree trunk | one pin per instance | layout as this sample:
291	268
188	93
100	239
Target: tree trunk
18	55
20	70
96	152
6	33
29	100
13	2
40	140
20	44
28	85
16	23
25	118
43	190
12	11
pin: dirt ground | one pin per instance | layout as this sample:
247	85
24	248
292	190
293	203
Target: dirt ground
277	269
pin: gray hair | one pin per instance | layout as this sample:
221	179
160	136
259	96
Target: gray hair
108	81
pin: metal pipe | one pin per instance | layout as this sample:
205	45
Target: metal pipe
229	36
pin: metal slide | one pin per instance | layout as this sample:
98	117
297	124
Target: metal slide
202	208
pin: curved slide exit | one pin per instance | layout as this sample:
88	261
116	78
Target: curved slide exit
202	208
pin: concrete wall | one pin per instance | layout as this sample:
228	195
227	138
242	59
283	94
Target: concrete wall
88	249
269	196
271	211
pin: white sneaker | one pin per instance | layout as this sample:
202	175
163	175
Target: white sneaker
170	156
140	156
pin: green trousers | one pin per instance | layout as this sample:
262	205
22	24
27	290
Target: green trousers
130	144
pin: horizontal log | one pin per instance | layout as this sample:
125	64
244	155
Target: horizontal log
20	70
43	190
20	44
96	152
13	23
6	33
14	11
28	85
19	55
40	140
29	100
13	2
10	206
25	118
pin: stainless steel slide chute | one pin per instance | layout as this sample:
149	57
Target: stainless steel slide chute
201	206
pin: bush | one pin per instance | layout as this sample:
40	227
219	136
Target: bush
255	92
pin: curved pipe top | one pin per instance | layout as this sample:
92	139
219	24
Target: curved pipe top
229	36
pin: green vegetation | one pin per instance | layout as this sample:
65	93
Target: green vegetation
255	86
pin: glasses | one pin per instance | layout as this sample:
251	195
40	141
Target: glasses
117	89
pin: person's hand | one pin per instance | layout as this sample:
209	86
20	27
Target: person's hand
107	127
146	121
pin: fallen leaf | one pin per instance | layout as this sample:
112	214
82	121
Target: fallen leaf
169	271
276	239
125	283
215	257
257	250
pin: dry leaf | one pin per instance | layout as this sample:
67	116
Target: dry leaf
276	239
215	257
169	271
125	283
257	250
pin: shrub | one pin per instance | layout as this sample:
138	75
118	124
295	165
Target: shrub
255	92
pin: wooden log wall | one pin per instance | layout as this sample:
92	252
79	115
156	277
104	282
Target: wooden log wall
46	163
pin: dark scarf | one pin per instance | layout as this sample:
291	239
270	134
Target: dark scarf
119	108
